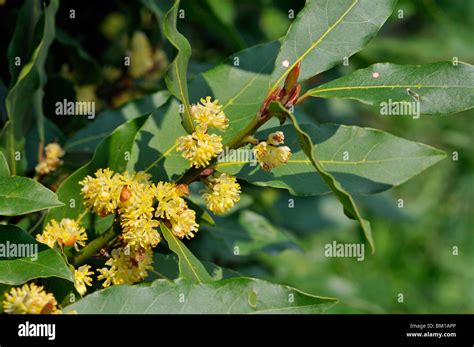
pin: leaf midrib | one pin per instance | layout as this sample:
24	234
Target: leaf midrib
333	162
387	86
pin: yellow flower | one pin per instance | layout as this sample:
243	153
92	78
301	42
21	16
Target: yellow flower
221	193
200	147
82	277
29	299
184	223
53	152
172	206
126	266
270	156
141	233
136	211
139	203
169	200
102	193
209	113
66	233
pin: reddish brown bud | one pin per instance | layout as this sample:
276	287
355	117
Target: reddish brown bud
48	308
293	96
207	172
274	96
183	188
103	213
125	194
292	78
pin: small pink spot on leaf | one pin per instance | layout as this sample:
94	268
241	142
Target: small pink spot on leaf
375	74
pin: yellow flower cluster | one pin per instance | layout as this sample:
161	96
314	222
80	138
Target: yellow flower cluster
102	193
127	266
171	206
29	299
200	147
269	155
82	277
221	192
136	211
51	162
65	233
141	206
209	114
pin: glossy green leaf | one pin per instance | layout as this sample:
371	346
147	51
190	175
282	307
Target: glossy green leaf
350	208
190	268
325	32
21	195
167	265
225	296
21	43
4	169
27	91
176	76
154	148
240	85
87	138
376	160
112	153
37	261
440	88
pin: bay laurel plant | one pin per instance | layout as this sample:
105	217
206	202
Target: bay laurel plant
116	234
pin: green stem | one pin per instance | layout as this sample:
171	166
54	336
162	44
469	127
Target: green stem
12	150
94	247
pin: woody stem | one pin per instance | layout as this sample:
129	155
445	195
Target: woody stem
94	246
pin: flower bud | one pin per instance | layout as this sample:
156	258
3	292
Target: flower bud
276	138
125	194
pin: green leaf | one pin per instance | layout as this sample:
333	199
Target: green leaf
377	160
202	216
240	88
111	153
190	268
176	76
27	92
342	195
87	138
440	87
225	296
154	148
41	262
325	32
168	265
249	232
4	169
21	195
21	43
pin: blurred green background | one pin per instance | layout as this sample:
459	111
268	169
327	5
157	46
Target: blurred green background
285	244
